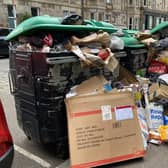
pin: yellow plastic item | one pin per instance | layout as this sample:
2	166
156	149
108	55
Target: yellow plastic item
138	96
163	130
164	59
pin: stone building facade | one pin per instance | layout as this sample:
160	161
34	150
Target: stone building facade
145	14
36	7
134	14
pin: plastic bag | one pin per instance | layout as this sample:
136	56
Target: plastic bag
157	67
116	43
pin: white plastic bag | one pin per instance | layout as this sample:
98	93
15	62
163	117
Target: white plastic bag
116	43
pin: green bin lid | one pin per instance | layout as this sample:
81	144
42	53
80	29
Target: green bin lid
159	27
48	22
131	32
99	23
132	42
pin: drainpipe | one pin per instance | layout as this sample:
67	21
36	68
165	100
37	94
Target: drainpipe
82	8
14	12
141	16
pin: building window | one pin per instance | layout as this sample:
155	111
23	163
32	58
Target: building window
10	11
162	19
145	2
65	13
146	21
109	1
150	22
113	19
137	2
163	4
92	15
130	22
11	16
101	16
123	20
72	12
130	2
108	18
123	5
153	4
136	24
157	20
35	11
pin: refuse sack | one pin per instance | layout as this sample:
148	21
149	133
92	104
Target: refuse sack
163	43
116	43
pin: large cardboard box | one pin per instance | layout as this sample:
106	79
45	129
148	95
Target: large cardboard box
103	128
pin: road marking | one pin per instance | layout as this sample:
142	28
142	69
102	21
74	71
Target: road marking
65	164
33	157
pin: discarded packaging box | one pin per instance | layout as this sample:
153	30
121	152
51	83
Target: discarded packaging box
103	128
157	91
127	76
92	85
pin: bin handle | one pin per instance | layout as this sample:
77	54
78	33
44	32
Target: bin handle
11	86
20	76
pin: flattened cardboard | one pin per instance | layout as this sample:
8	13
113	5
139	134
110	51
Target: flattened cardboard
97	138
126	76
93	84
157	91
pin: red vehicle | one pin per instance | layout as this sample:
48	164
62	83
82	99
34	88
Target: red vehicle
6	142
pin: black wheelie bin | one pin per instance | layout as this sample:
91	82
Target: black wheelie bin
40	80
136	54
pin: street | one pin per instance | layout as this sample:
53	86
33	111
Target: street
31	155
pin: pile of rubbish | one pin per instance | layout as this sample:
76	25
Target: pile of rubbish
156	101
99	110
94	49
156	42
149	89
135	104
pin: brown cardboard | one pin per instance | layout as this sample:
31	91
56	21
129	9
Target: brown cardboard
98	138
126	76
157	91
93	84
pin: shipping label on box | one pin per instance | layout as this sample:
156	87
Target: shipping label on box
103	129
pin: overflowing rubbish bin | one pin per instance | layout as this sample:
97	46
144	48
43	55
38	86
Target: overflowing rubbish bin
39	83
40	79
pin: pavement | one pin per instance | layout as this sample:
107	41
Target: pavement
24	162
156	157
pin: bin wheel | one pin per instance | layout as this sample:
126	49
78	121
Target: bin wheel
29	138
